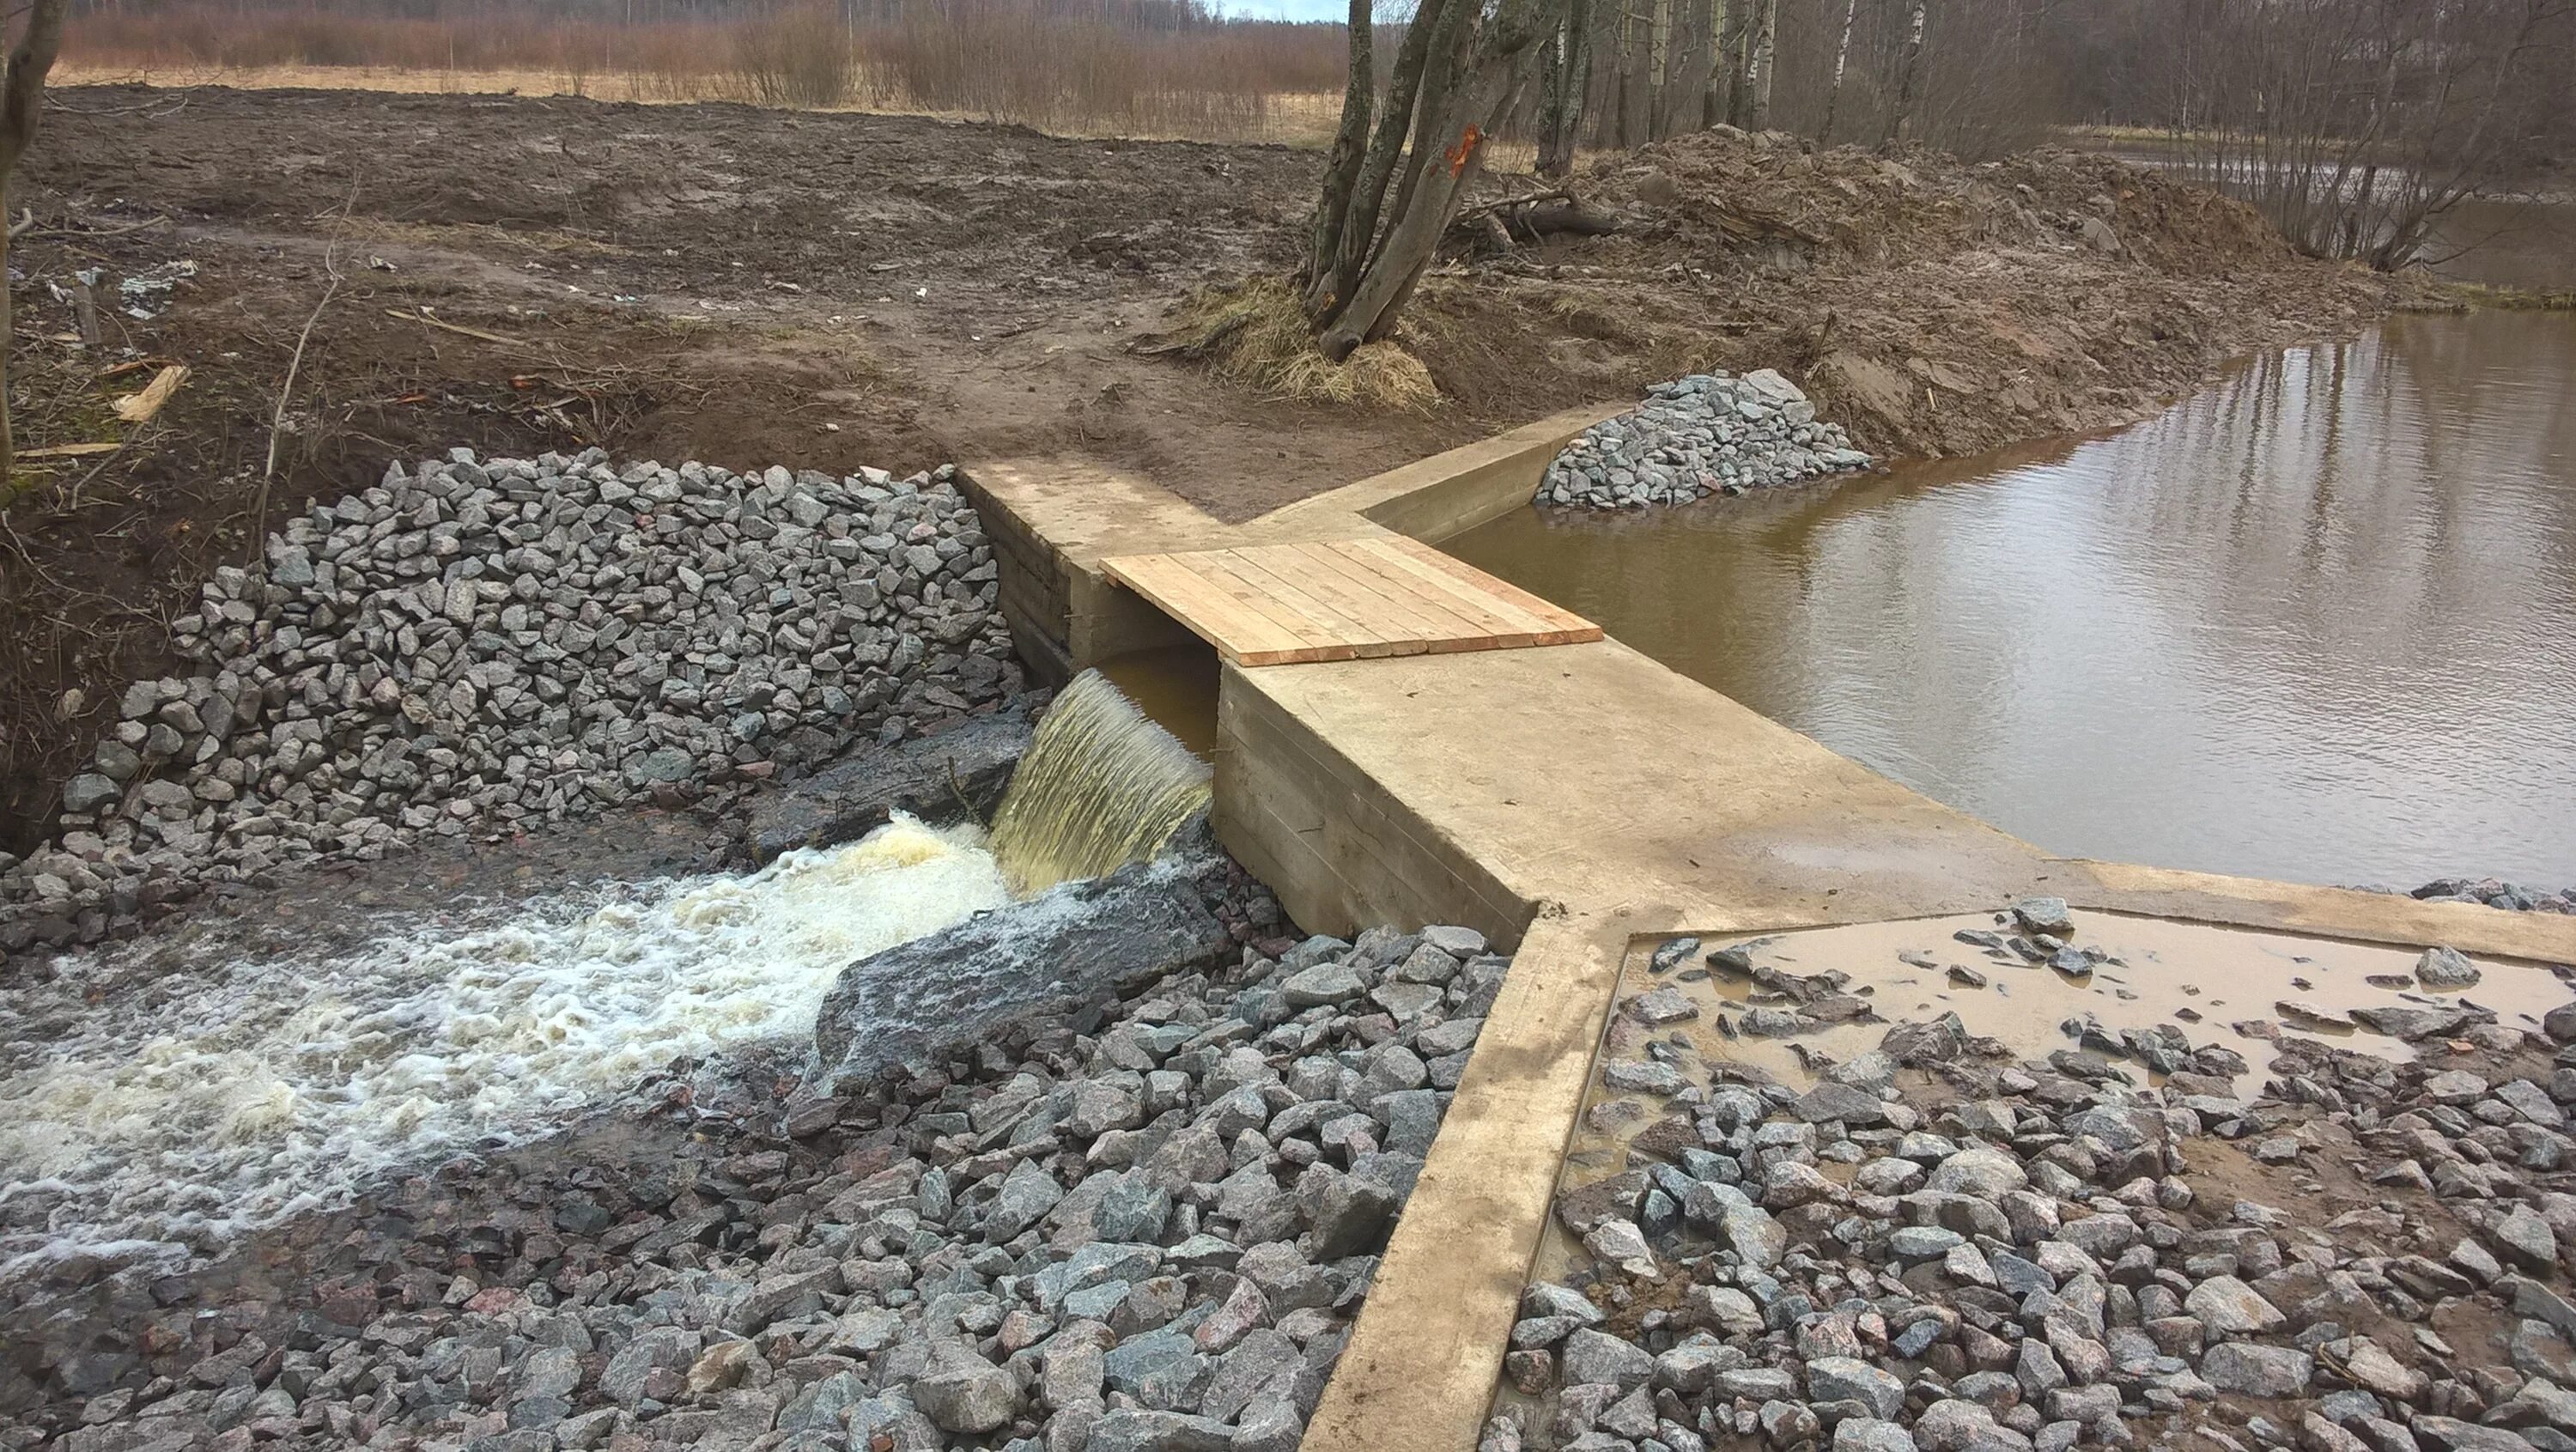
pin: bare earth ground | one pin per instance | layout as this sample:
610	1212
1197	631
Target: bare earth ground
750	287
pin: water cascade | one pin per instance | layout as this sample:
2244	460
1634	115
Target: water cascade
1102	786
175	1114
160	1118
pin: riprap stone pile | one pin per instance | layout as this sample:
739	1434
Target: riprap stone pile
480	646
1709	433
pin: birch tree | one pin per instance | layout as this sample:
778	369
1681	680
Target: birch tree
1678	103
1389	195
22	94
1909	73
1766	35
1715	86
1739	31
1842	62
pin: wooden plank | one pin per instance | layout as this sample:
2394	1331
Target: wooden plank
1483	614
1419	1372
1318	641
1262	568
1506	620
1468	574
1210	613
1545	623
1498	595
1237	617
1306	601
1391	597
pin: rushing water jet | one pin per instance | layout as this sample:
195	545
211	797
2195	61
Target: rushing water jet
176	1113
1102	786
181	1111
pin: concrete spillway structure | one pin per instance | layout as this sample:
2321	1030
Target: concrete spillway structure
1572	799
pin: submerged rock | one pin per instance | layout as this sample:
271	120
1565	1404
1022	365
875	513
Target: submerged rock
1064	952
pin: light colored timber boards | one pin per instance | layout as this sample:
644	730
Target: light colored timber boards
1309	601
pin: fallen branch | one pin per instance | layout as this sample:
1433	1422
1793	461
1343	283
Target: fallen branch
286	391
1526	200
1529	218
428	321
146	225
69	451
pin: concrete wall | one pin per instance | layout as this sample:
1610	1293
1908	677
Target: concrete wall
1340	852
1451	493
1063	612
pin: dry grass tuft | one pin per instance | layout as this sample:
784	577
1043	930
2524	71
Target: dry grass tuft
1254	333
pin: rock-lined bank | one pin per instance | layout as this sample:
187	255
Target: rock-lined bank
2495	892
476	647
1141	1226
1935	1248
1709	433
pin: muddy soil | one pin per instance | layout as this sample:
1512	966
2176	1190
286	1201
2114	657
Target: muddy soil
750	287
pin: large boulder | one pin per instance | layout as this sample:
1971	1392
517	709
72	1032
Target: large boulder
1064	953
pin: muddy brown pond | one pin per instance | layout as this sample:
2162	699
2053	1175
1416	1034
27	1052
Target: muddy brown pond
2317	623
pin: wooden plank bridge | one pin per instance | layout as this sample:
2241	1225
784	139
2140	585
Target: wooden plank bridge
1343	599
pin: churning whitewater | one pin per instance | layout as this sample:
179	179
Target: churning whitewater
214	1104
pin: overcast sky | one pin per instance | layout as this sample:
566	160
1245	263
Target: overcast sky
1290	9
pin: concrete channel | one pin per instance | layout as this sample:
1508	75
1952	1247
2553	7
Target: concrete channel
1581	802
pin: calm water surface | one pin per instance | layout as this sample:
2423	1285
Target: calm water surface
2318	623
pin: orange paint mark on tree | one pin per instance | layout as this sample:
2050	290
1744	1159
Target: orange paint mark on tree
1465	149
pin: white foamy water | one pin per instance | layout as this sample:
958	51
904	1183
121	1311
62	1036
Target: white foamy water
227	1101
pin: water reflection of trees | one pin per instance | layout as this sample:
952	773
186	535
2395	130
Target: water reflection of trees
2329	601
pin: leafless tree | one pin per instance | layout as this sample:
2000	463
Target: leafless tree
1454	78
1713	86
2358	125
22	94
1761	64
1909	73
1636	119
1565	78
1842	63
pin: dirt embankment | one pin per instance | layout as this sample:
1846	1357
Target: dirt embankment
750	287
1934	307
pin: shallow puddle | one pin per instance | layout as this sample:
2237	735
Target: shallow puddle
2236	989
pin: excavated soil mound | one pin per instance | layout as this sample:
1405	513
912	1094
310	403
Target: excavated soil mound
1936	307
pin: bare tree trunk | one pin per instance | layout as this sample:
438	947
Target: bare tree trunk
1678	101
1636	82
1331	288
1567	78
1662	33
1603	105
1842	60
1909	74
1471	69
1739	34
1432	124
1765	38
22	93
1714	87
8	336
1342	164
